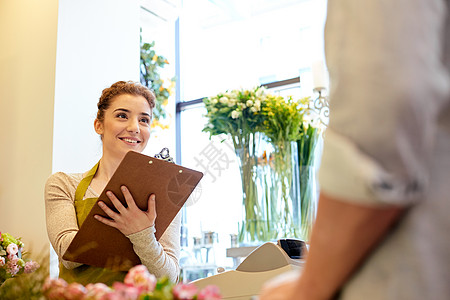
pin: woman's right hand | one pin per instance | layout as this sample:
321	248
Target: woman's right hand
129	219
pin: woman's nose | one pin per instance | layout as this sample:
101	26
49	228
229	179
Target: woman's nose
133	126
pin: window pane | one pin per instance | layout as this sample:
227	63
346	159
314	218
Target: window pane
227	45
217	203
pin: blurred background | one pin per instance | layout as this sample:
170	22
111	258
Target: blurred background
57	56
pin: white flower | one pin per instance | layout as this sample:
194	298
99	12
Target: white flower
214	100
232	102
313	120
249	103
253	109
259	92
12	249
258	104
223	100
307	119
234	114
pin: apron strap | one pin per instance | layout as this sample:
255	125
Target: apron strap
85	274
84	183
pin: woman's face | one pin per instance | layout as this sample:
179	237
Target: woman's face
126	125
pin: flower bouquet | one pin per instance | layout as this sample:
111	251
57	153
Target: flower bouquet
275	141
237	113
11	262
138	284
283	119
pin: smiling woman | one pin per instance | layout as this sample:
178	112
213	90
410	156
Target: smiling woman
123	123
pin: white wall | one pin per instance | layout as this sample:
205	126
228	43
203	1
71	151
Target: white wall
27	85
161	30
55	60
98	44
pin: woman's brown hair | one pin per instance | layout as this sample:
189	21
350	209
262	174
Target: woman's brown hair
120	88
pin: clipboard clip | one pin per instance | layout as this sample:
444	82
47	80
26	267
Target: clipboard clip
164	155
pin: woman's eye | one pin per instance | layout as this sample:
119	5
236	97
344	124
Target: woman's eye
121	116
145	120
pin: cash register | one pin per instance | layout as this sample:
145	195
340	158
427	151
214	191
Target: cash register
264	263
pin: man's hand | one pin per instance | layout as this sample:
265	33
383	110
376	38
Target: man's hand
282	287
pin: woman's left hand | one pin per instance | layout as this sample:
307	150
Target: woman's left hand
129	219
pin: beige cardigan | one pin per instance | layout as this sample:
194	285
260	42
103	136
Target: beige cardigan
160	257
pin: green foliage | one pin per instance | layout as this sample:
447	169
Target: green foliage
9	239
283	119
150	68
162	291
306	144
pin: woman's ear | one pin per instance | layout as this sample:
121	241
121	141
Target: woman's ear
98	126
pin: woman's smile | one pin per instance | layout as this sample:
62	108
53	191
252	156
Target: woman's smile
129	140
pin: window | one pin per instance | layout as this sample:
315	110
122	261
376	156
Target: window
226	45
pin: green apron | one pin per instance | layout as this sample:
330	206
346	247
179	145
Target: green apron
85	274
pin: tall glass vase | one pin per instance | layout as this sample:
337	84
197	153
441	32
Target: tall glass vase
308	152
308	200
271	195
252	228
281	191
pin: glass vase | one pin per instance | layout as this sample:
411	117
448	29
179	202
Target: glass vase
274	205
308	200
252	228
281	191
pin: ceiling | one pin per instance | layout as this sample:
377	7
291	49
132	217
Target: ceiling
210	13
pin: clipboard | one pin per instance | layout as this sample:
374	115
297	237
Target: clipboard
100	245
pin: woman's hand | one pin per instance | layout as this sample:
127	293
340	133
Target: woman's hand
129	219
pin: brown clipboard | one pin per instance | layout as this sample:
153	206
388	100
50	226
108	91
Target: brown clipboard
100	245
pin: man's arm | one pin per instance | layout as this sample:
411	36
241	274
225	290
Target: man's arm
343	236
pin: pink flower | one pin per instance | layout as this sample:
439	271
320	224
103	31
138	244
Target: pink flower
74	291
31	266
184	291
125	292
47	284
13	258
53	289
210	292
97	291
53	282
12	249
12	267
140	277
2	261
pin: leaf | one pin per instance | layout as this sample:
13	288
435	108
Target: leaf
150	76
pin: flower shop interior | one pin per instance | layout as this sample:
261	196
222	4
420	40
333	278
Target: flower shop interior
253	62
